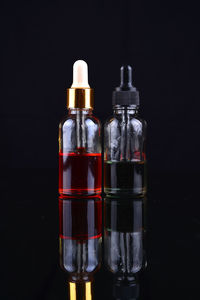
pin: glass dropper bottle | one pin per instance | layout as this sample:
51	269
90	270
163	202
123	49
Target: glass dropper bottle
124	142
80	139
80	203
80	237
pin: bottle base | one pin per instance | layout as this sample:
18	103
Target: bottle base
128	193
79	192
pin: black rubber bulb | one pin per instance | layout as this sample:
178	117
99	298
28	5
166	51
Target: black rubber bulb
126	93
126	78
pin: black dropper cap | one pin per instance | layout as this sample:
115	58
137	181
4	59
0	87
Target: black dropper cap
125	291
126	93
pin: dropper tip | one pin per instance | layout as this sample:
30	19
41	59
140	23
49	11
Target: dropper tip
80	74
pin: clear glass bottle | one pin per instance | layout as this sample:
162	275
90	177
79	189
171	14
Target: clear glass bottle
80	167
80	236
124	237
80	180
124	142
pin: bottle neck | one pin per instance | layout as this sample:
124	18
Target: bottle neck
83	111
126	109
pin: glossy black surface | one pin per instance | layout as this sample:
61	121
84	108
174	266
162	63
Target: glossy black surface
29	238
39	43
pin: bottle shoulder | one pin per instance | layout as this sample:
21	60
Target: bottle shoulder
93	120
71	121
117	120
65	121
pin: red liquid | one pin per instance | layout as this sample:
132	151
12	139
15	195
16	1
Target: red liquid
79	173
80	219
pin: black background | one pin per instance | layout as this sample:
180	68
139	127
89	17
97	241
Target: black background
39	44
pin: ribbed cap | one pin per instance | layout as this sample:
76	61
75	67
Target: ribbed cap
125	291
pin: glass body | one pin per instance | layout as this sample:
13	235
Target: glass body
124	236
80	234
79	154
124	153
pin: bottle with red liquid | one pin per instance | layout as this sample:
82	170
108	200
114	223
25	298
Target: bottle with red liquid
80	173
80	140
80	230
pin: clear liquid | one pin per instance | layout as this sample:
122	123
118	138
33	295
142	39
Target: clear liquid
124	240
125	177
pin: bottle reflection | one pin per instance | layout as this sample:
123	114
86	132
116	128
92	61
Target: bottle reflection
124	243
125	290
80	231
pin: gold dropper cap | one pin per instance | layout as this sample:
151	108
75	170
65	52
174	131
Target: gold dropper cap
81	290
80	95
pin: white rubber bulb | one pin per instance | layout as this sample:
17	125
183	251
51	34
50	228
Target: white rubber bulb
80	74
